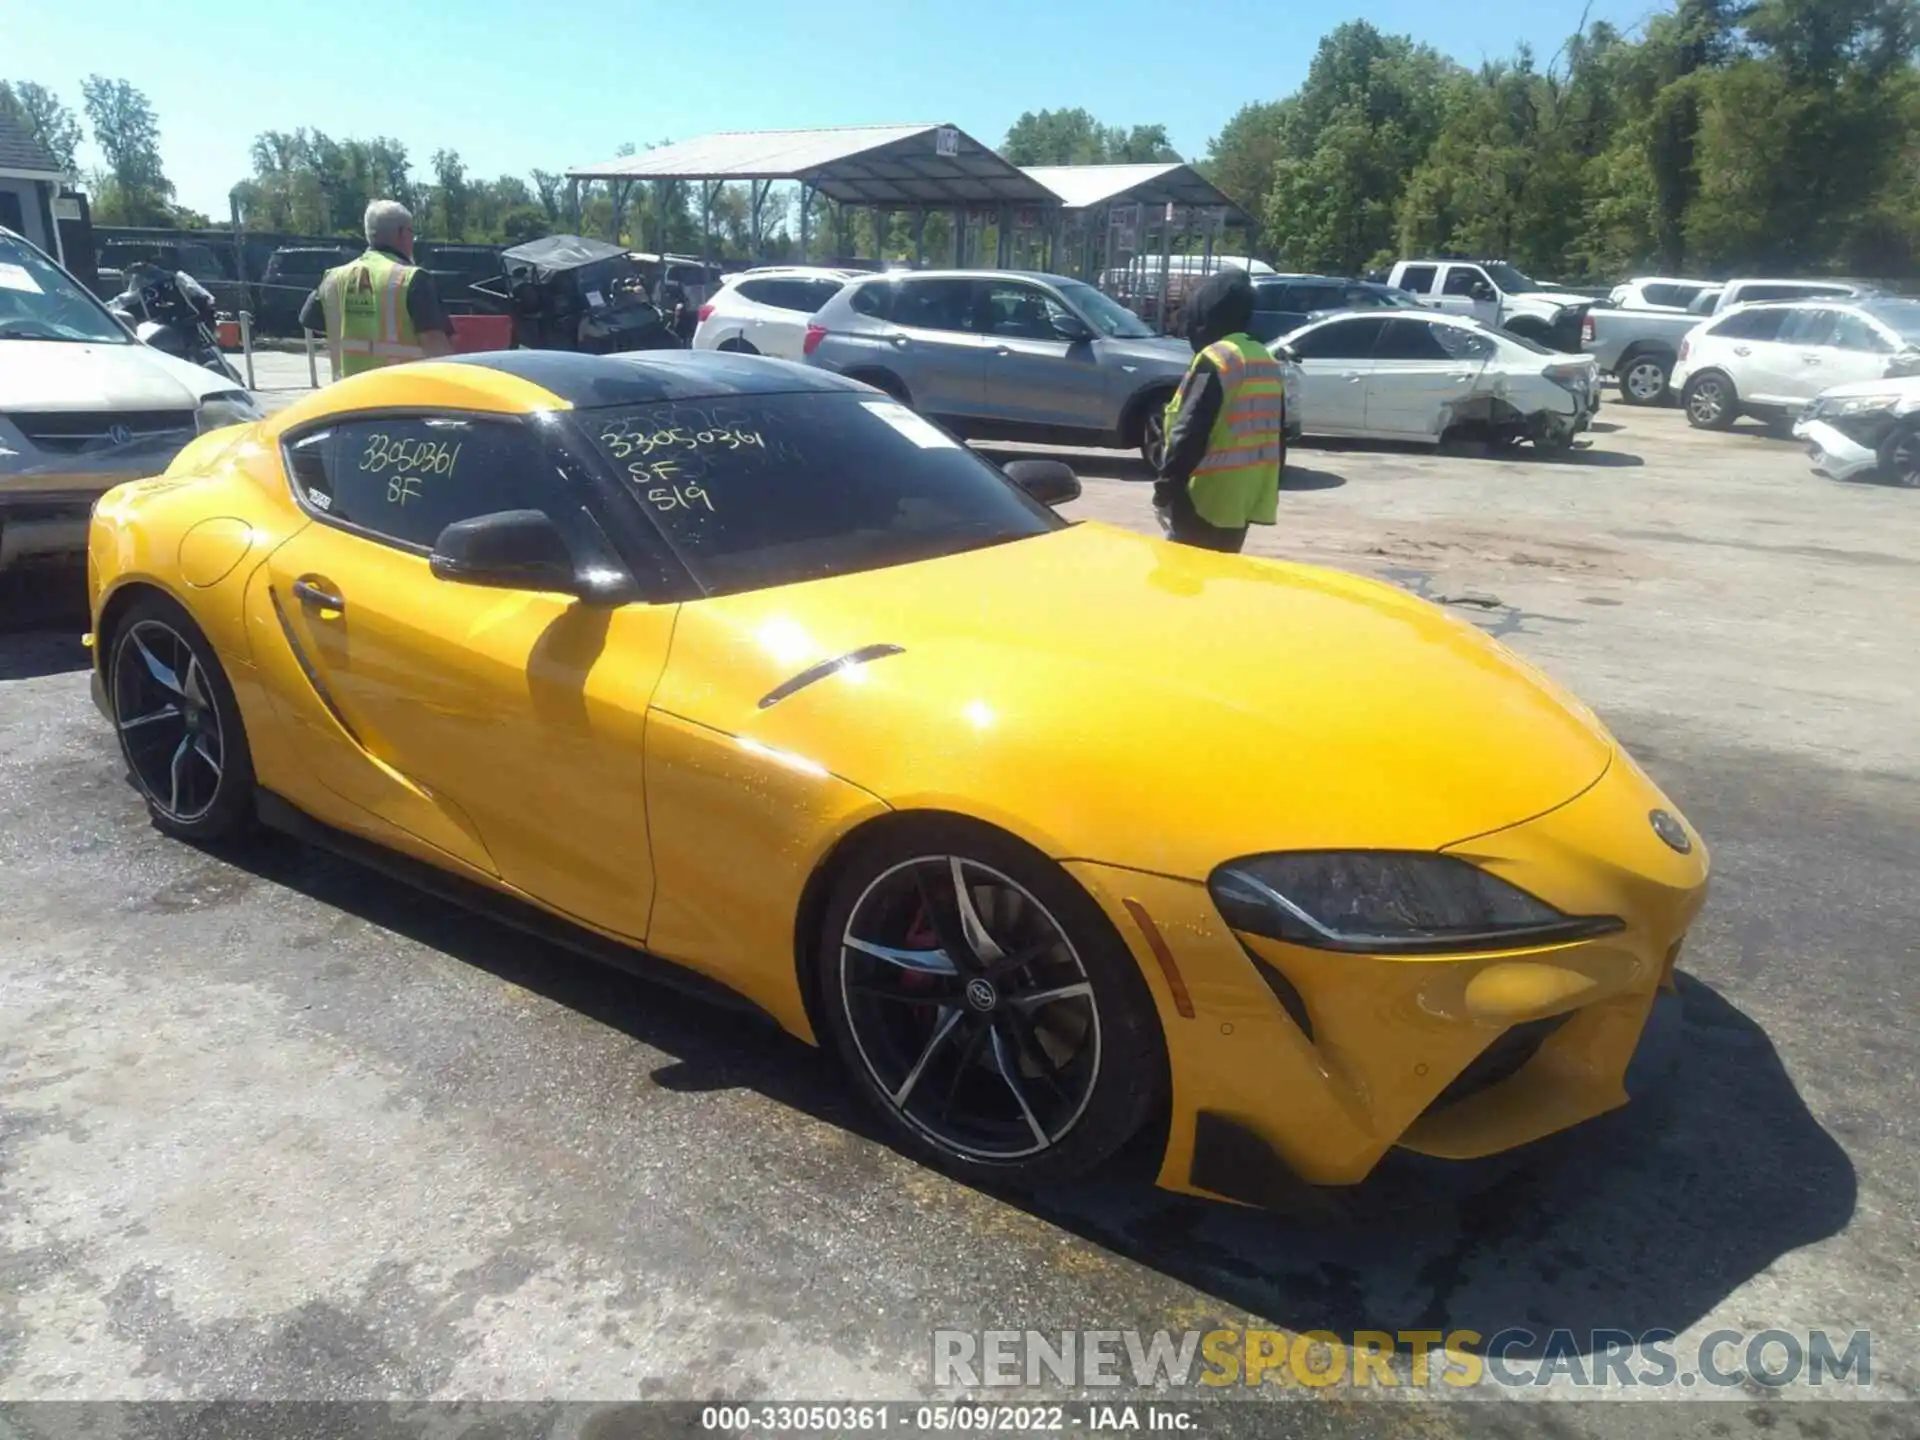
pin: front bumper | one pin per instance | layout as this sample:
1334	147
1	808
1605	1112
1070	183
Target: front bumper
1835	453
41	522
1298	1067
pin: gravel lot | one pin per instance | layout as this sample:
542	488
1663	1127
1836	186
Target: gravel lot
274	1127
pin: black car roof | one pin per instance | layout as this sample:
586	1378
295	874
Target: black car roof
649	376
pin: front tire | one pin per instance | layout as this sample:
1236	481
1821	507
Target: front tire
985	1006
1644	379
178	723
1153	428
1710	401
1900	455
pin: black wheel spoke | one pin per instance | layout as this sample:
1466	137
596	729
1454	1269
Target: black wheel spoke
168	720
946	970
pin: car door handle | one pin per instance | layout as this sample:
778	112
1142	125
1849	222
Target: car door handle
311	591
1461	377
1743	350
1354	377
899	340
1811	359
1002	350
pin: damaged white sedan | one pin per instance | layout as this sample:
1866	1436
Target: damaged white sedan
1869	429
1396	376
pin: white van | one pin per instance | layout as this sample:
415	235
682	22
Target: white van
83	405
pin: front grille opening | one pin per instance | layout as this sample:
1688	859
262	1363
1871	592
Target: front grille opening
70	431
1501	1060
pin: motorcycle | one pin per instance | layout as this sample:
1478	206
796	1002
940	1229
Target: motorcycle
173	313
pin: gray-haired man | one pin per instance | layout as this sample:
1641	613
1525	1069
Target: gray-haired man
380	309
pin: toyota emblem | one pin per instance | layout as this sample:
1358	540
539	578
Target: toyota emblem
1668	827
120	435
981	995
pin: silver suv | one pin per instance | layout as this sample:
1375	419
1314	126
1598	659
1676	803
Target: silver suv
1006	355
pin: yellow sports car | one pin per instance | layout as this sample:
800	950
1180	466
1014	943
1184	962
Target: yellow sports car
1061	836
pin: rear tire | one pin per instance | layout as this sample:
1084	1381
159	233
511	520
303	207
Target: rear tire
178	724
1644	378
1033	1073
884	381
1710	401
736	346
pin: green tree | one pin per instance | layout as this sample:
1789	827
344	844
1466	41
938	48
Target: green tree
1242	157
136	190
1074	137
46	117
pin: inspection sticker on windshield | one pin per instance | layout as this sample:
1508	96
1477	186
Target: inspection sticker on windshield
926	436
15	277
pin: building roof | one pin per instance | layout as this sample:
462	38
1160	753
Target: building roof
897	165
21	150
1082	187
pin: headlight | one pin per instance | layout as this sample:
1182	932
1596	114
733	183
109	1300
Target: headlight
1836	406
1388	902
228	407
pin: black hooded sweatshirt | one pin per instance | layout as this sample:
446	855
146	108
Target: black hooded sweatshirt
1222	306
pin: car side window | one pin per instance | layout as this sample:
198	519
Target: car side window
873	300
1460	344
404	479
1410	340
1850	332
1808	327
1662	295
1341	339
934	304
1463	280
1018	311
1750	325
1418	279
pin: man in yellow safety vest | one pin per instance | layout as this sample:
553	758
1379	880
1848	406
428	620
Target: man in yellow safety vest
1225	428
380	309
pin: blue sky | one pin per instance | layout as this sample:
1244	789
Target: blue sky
513	85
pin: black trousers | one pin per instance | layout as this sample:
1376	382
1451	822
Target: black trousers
1185	527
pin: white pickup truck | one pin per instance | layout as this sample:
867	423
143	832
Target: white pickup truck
1496	294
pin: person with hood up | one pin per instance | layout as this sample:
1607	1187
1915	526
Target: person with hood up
1225	432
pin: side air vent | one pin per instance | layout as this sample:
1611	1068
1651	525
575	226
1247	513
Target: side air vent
826	668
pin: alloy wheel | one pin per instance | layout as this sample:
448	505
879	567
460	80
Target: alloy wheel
168	722
1153	434
1707	402
970	1008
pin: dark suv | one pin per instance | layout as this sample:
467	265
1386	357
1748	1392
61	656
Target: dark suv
1283	303
293	271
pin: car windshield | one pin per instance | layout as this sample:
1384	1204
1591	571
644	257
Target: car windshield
39	301
1509	279
1104	313
1900	316
753	491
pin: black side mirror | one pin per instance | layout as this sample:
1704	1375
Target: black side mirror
1903	363
1483	291
1071	328
1051	482
512	549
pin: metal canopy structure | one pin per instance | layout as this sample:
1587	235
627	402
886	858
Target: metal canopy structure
889	168
1089	187
1119	224
899	166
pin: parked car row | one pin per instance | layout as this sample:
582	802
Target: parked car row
1639	346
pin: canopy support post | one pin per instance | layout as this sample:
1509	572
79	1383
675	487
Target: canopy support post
806	217
919	237
573	202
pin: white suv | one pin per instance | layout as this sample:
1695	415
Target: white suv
1768	361
765	311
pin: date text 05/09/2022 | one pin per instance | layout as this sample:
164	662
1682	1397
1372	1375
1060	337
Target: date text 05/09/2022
960	1418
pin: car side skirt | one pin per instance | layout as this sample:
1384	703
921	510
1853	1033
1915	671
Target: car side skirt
508	909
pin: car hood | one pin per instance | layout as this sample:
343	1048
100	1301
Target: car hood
1558	300
1164	351
61	375
1112	697
1907	387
